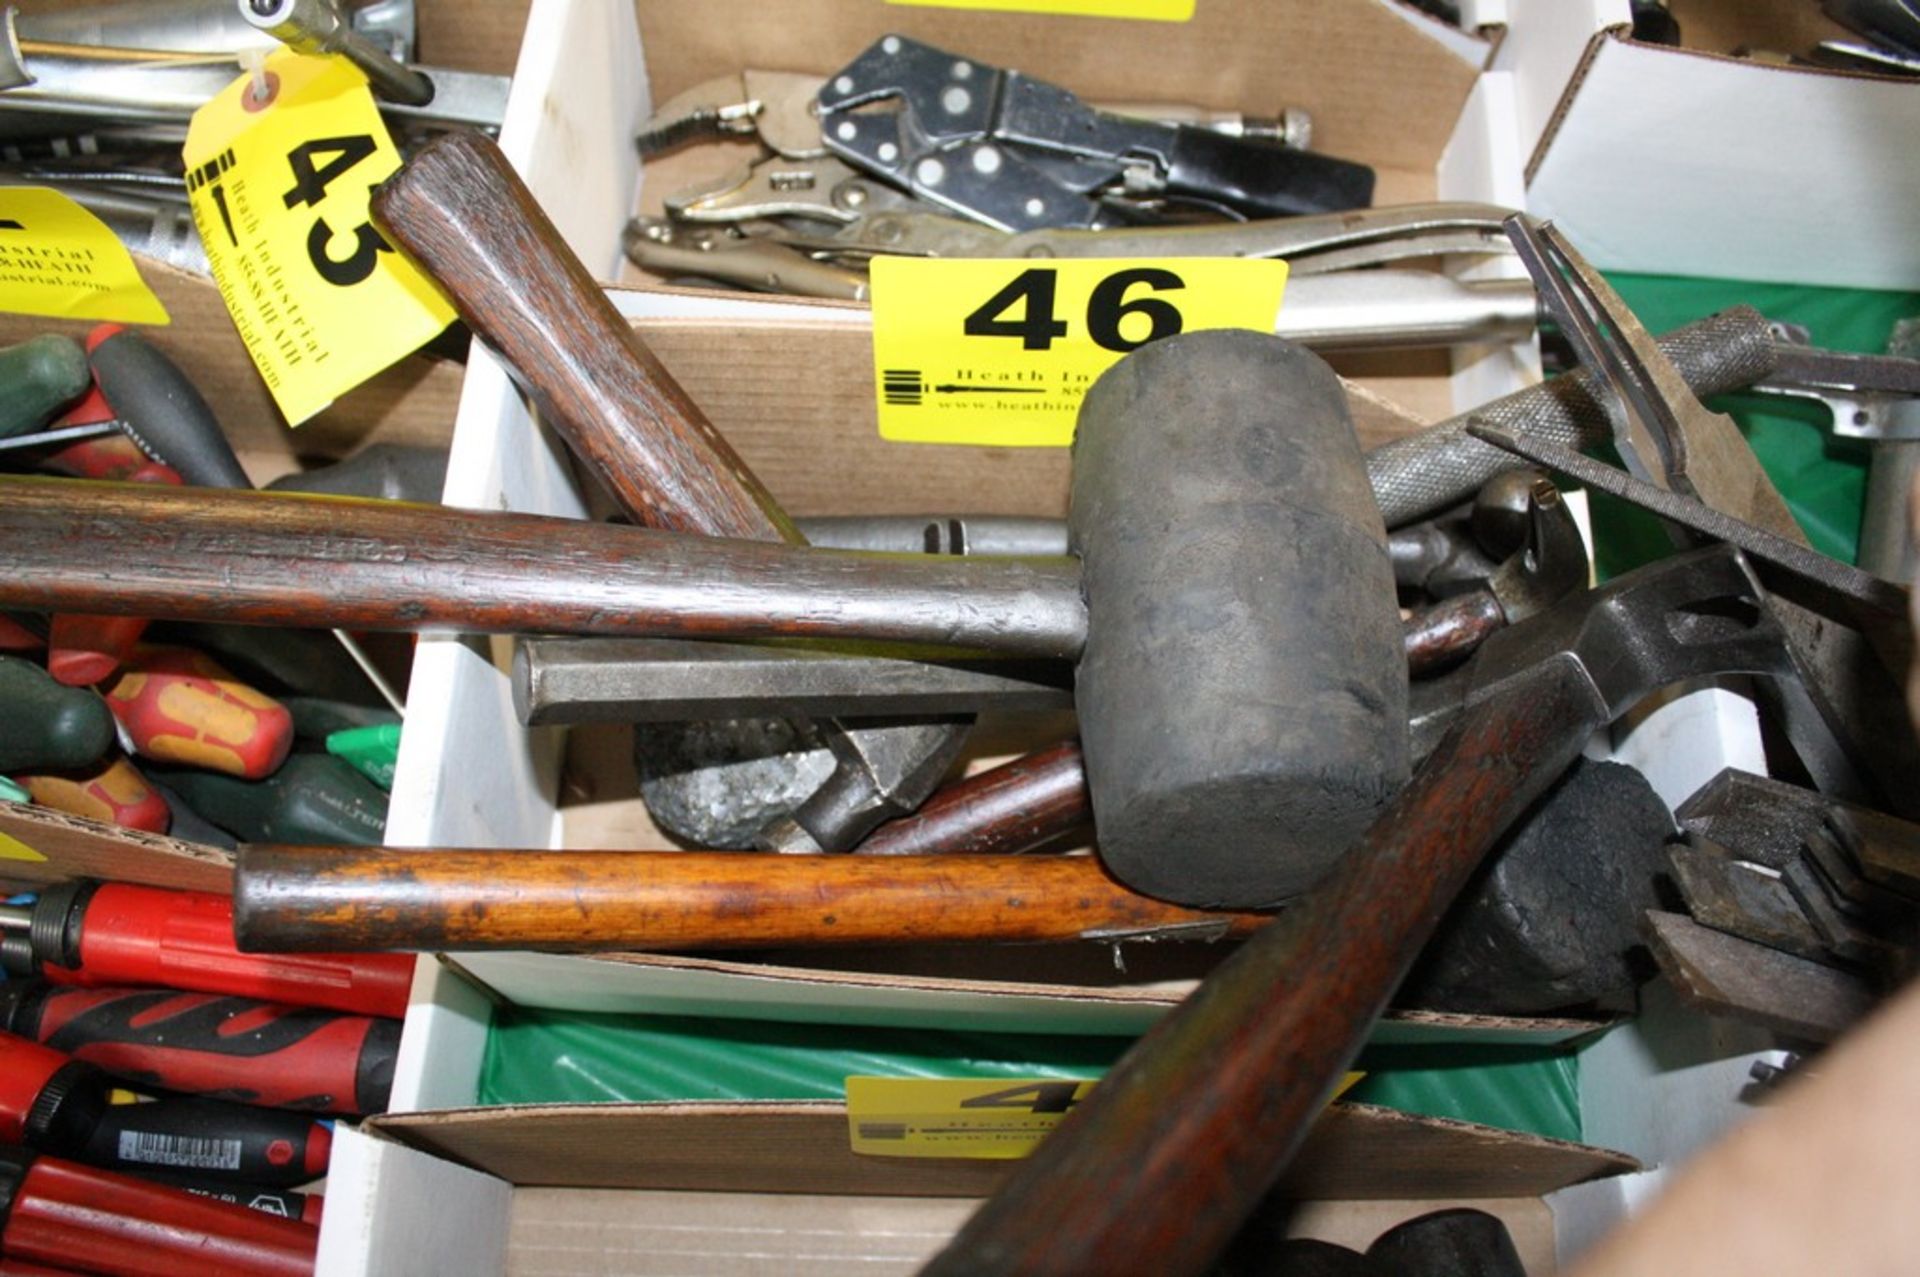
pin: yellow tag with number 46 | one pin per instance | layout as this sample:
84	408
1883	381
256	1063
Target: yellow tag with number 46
279	167
1001	351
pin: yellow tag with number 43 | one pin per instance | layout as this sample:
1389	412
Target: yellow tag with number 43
1001	351
278	182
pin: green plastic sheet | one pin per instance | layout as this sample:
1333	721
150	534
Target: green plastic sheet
1823	478
539	1057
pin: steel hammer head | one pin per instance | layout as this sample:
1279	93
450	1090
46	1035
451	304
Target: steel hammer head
1242	693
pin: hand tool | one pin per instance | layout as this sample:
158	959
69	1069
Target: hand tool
59	1212
1441	466
321	899
317	27
188	825
228	1048
1788	555
310	798
285	1203
199	26
1448	1243
107	935
163	412
315	718
57	1104
209	1139
663	680
716	784
374	751
1876	399
779	108
1373	309
1003	810
460	210
1252	1055
42	376
179	706
83	650
281	660
561	680
1846	647
16	637
391	471
1016	152
113	791
1554	920
164	88
44	725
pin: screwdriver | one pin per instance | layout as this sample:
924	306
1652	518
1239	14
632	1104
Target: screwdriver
40	377
180	706
61	1213
284	1202
83	650
163	412
53	1103
312	798
315	718
46	726
114	792
101	935
227	1048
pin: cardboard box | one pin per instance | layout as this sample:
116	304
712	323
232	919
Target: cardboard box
410	403
789	383
1691	161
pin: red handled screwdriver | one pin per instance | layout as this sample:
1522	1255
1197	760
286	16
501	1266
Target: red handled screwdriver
113	791
179	706
96	935
61	1213
223	1047
51	1102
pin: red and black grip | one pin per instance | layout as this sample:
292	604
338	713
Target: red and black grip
228	1048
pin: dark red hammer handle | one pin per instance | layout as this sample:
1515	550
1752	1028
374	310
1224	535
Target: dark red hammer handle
460	210
1156	1170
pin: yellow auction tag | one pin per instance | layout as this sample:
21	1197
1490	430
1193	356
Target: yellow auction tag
1000	352
1155	10
965	1117
278	184
60	261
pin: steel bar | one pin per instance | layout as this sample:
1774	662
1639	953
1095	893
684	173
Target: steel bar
559	680
1793	557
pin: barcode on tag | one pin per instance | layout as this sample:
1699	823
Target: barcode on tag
158	1149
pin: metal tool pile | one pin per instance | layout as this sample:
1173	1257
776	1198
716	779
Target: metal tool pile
1331	706
95	98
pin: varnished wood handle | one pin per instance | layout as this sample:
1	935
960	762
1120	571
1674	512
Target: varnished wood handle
1004	810
1157	1169
462	212
257	558
325	899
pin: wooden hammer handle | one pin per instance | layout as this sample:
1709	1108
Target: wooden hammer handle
1157	1169
330	899
462	212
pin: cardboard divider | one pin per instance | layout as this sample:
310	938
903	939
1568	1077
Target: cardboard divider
1693	161
1355	1151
